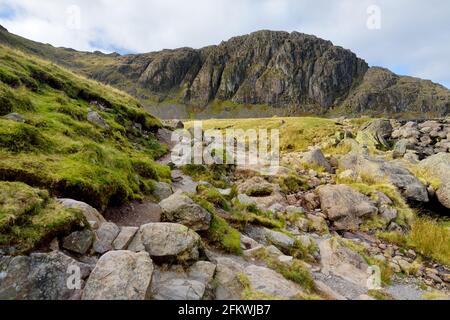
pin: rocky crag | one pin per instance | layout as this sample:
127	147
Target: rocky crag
263	73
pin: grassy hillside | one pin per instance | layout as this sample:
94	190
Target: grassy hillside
296	133
51	144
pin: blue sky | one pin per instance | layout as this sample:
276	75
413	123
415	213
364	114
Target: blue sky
413	37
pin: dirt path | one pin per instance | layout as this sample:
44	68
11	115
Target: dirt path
134	214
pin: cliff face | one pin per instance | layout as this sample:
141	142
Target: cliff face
293	71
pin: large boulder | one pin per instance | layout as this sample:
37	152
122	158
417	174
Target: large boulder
316	158
89	212
120	275
179	208
339	260
345	207
167	242
41	276
438	167
386	171
375	134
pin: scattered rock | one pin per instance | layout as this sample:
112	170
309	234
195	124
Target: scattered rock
316	158
79	242
181	209
106	234
162	190
124	238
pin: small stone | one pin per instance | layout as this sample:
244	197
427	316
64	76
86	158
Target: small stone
225	192
411	254
434	277
79	241
54	245
295	210
395	267
106	234
285	259
162	190
404	265
274	250
15	117
94	225
124	238
95	118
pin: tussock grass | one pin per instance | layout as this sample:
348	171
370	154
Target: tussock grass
59	150
220	233
296	133
427	236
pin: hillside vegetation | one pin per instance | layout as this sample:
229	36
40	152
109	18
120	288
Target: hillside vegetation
47	141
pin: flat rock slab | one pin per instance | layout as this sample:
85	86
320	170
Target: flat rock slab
124	238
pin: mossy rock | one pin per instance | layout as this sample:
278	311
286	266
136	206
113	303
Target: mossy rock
29	217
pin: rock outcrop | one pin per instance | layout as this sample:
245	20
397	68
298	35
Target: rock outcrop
292	72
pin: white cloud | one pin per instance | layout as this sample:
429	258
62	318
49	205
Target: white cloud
413	36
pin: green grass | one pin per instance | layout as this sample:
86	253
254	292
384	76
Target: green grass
220	233
427	237
292	183
295	271
59	150
29	217
380	295
214	174
296	133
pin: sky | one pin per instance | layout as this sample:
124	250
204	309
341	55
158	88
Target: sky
410	37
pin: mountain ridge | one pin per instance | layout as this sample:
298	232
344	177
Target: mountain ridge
287	73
